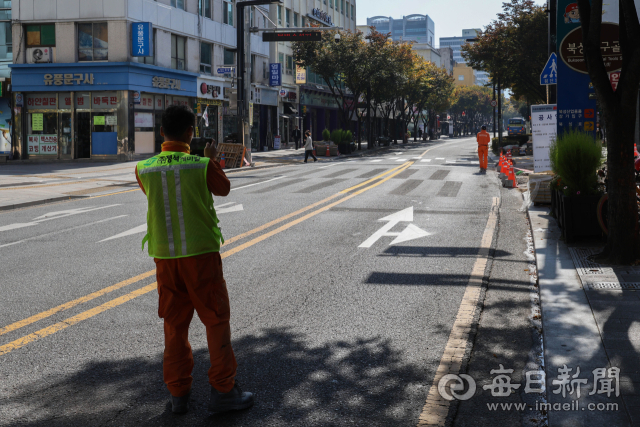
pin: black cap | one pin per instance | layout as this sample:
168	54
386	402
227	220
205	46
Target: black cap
484	128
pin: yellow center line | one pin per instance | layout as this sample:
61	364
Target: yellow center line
49	330
21	342
371	180
70	304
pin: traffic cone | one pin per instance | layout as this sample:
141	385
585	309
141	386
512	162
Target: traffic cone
222	161
514	179
500	163
328	151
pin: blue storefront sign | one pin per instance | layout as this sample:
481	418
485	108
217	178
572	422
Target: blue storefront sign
141	38
576	107
107	76
275	74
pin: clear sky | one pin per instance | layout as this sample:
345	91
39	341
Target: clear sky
449	16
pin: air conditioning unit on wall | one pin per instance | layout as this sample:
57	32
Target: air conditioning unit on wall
36	55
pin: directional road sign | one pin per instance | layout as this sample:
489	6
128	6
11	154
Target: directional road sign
549	75
298	36
225	70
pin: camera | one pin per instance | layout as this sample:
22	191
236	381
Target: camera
337	37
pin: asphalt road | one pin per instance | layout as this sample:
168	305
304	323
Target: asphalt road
330	326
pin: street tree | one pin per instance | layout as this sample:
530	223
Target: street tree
471	107
619	111
513	48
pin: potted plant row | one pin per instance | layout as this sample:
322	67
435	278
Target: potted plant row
575	159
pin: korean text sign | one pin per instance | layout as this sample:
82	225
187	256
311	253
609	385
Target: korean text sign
141	36
275	74
543	128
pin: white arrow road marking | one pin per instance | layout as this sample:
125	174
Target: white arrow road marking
143	228
53	215
139	229
258	183
410	233
62	231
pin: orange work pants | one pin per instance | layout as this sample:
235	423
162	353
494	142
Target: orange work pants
185	284
483	153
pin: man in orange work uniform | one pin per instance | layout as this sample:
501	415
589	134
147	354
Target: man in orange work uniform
184	240
483	139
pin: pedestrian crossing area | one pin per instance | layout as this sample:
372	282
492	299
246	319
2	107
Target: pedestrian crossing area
436	160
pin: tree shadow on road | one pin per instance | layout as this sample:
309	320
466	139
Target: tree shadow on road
362	382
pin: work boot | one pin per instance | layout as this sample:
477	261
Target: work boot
234	400
180	405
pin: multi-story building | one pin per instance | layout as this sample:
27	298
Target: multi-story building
456	43
81	88
418	28
464	75
446	59
313	96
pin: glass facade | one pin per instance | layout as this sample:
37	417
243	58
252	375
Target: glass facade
6	39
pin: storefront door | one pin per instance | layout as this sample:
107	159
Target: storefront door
83	135
65	134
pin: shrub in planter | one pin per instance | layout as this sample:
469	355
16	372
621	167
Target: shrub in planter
326	135
575	158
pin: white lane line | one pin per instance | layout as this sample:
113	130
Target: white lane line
401	160
374	161
52	215
258	183
235	208
328	166
223	205
416	158
425	160
440	158
393	158
139	229
62	231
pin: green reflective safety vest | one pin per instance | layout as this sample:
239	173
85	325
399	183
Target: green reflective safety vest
181	220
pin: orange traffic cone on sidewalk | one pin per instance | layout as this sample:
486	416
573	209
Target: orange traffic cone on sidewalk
328	151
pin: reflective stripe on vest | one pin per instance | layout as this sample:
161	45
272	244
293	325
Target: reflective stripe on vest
204	235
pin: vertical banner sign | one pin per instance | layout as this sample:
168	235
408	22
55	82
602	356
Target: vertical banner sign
576	97
141	38
543	128
275	74
301	75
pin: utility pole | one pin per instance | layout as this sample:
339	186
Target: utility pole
243	43
494	109
499	114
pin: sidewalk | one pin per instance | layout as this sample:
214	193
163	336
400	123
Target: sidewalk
590	316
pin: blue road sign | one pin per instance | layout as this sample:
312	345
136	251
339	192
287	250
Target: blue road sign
141	36
275	74
549	75
225	70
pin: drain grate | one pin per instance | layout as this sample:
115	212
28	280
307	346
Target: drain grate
614	285
584	266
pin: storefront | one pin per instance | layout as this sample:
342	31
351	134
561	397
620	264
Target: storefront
111	110
210	108
322	110
264	126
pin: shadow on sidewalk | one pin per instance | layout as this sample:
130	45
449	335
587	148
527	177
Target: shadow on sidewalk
341	383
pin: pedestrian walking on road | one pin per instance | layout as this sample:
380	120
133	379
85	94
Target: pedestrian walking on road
308	147
483	139
184	240
296	136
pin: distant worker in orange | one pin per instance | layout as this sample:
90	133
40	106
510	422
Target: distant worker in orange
483	139
184	240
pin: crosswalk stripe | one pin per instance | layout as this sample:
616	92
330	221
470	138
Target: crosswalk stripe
425	160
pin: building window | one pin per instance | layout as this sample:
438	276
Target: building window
178	3
227	12
41	35
205	58
287	13
342	6
229	57
347	10
353	12
204	7
289	65
6	38
264	70
304	21
331	4
280	16
295	19
460	77
93	42
177	52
